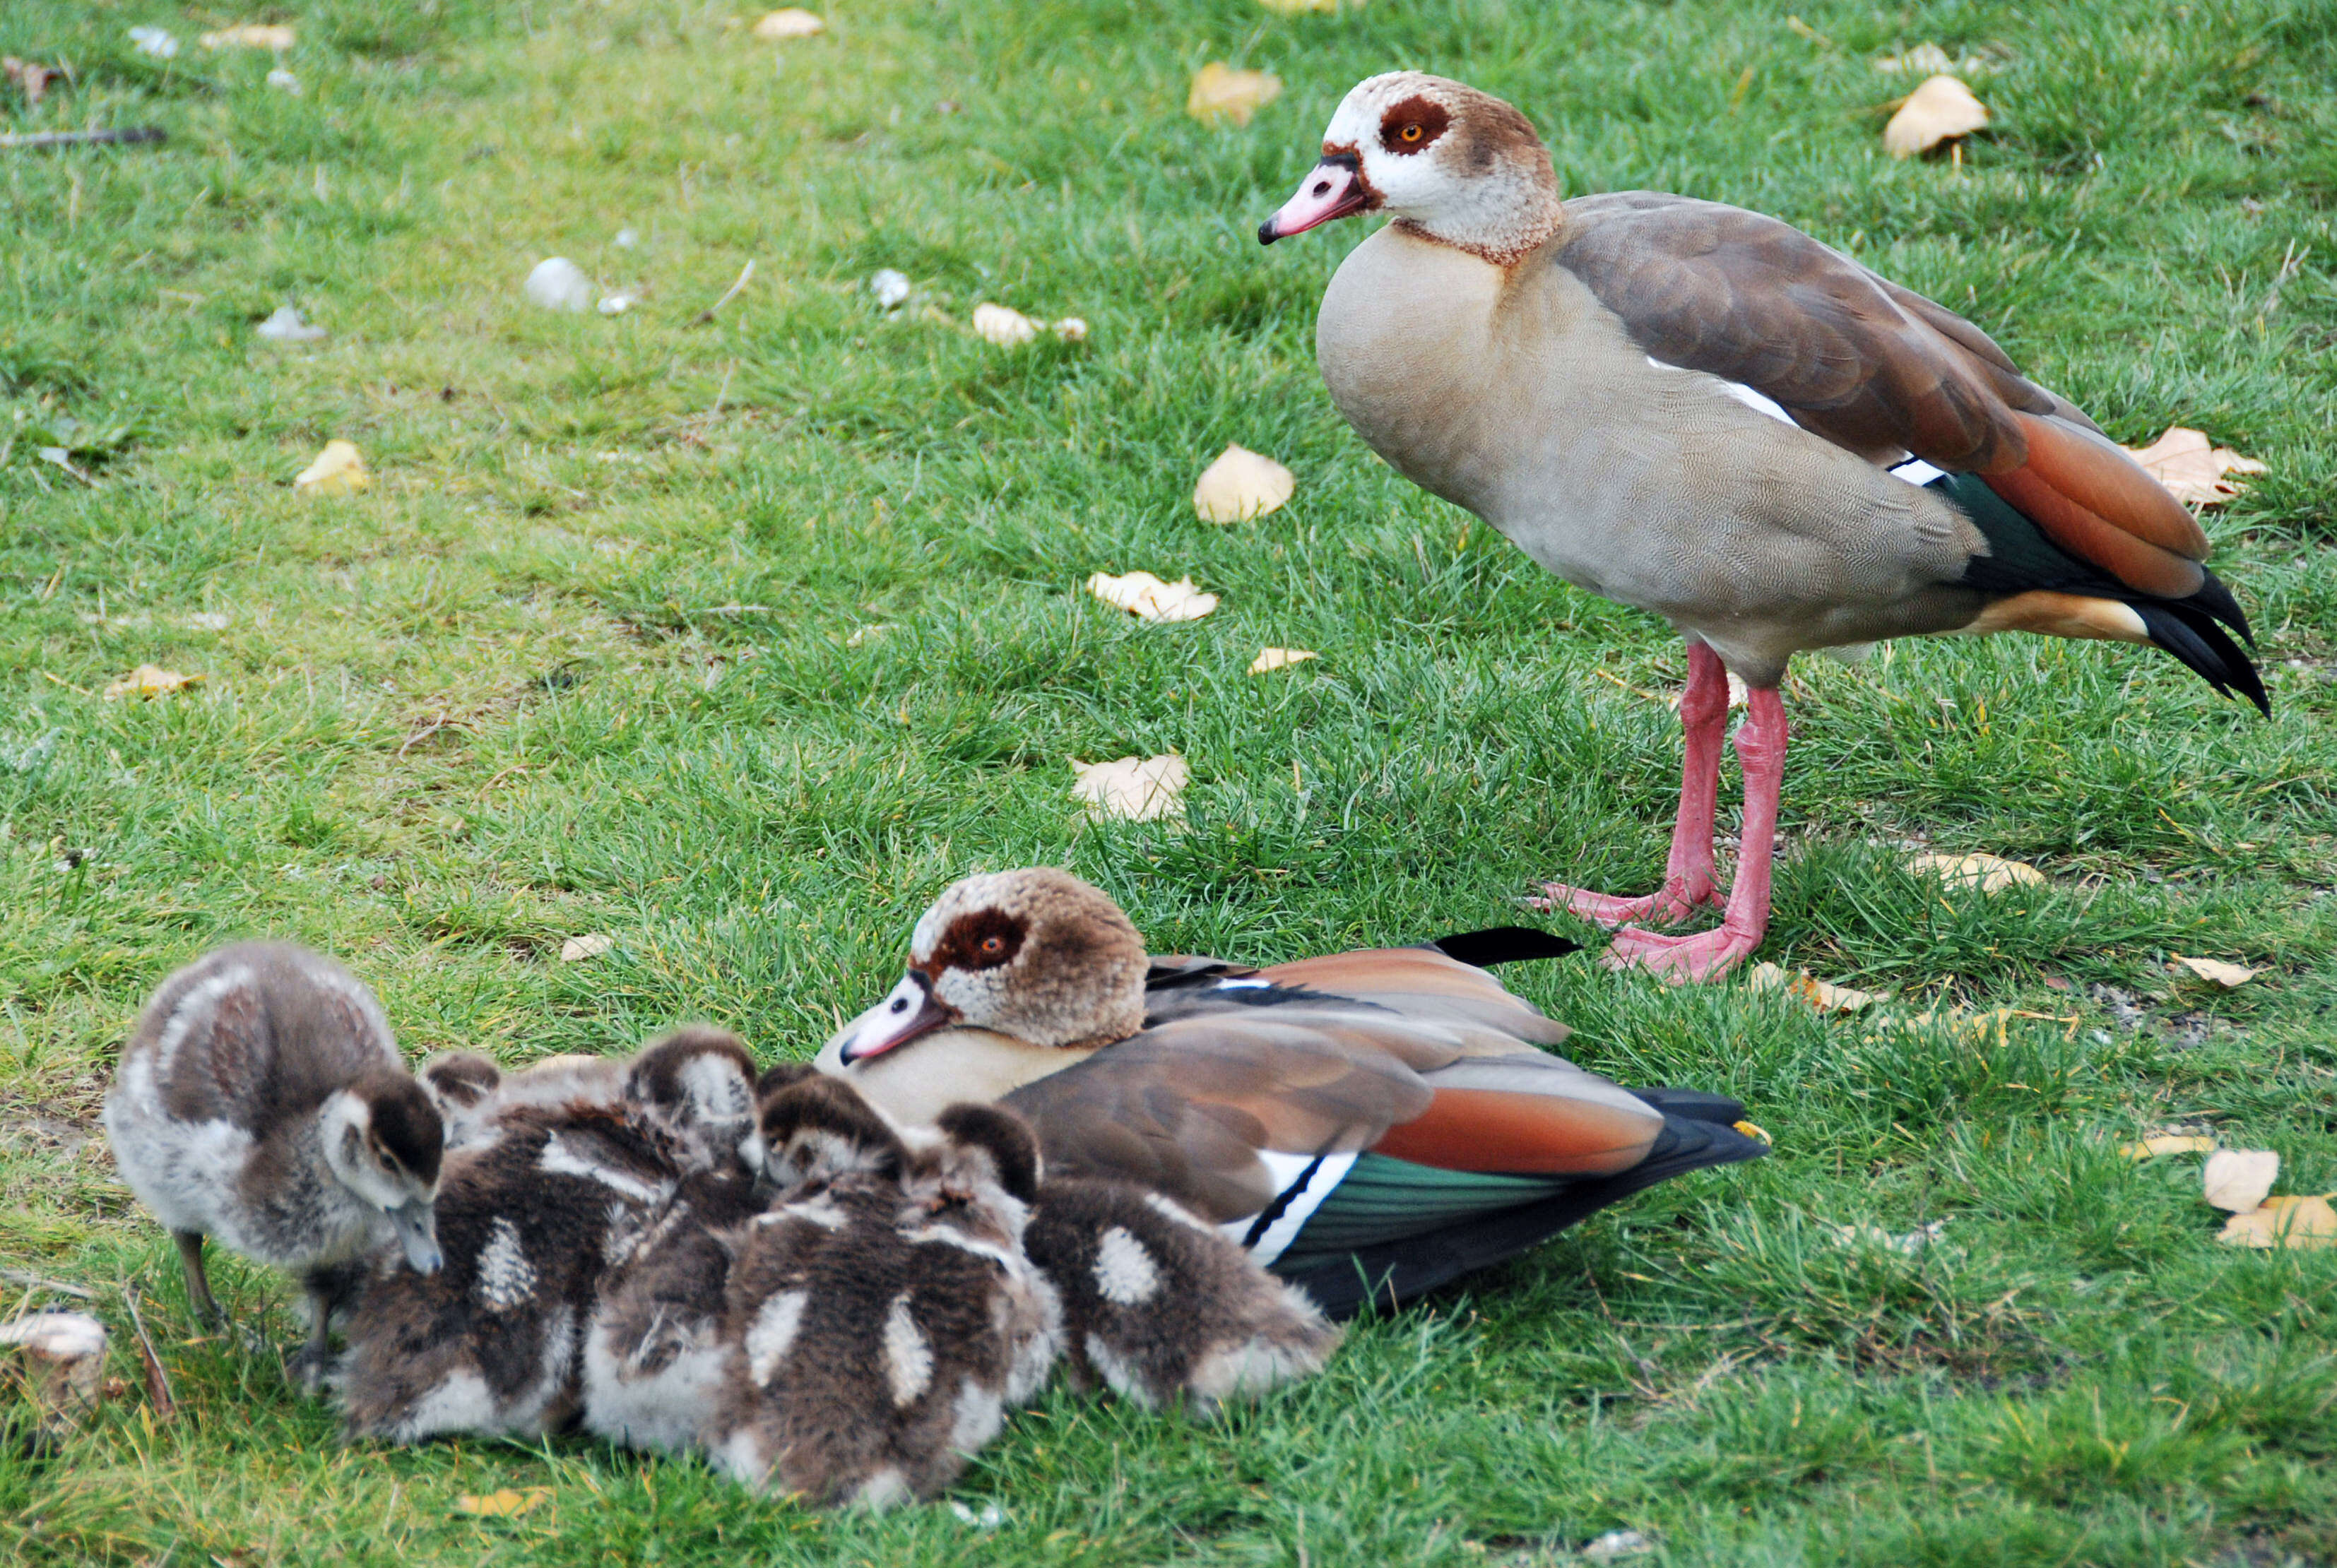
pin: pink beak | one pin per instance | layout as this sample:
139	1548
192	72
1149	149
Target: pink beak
1332	190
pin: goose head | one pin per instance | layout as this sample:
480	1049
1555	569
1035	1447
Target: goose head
1446	161
1037	957
384	1141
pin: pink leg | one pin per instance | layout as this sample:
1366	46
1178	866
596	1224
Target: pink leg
1687	875
1707	955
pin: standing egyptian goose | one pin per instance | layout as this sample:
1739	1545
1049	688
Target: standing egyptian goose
262	1100
1709	414
1370	1122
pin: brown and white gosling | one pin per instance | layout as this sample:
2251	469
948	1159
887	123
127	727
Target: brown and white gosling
881	1317
261	1100
532	1220
1160	1308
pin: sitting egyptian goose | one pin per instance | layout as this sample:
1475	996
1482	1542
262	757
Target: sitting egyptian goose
1709	414
261	1099
1370	1122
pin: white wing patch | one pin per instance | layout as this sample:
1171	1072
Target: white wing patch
1301	1182
1915	470
1124	1272
506	1279
908	1359
773	1333
563	1160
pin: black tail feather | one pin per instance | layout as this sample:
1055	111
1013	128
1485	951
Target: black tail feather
2021	559
1502	945
1389	1275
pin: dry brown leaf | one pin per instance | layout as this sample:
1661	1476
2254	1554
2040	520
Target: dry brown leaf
576	949
30	78
1006	328
2298	1223
249	36
1940	110
339	469
1148	597
1989	874
56	1361
1221	93
1825	998
506	1504
1738	692
1241	483
2158	1144
1981	1028
1071	329
2225	975
1272	658
2192	467
2236	1180
1134	789
150	680
794	22
1907	1242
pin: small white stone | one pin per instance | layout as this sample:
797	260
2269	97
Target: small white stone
283	81
559	284
617	303
890	288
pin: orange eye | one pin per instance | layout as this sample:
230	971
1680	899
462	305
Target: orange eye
992	946
1411	132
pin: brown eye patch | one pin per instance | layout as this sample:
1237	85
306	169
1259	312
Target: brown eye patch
1410	126
981	941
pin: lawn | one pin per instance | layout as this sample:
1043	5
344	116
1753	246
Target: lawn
595	655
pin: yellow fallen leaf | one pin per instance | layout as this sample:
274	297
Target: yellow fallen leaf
249	36
2236	1180
1071	329
794	22
1010	329
2158	1144
505	1504
1940	110
150	680
2225	975
1755	1131
339	469
576	949
1271	658
2193	467
2297	1223
1134	789
1989	874
1981	1028
1221	93
1241	483
1738	692
1817	993
1148	597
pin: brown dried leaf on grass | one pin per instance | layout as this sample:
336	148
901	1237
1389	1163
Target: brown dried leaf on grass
1274	659
1987	873
249	36
29	77
1148	597
794	22
1241	485
1941	109
2193	467
2228	975
1134	789
2168	1142
1222	94
339	469
508	1503
2236	1180
150	680
1817	993
2297	1223
1010	329
576	949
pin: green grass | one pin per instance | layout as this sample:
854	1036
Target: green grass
578	663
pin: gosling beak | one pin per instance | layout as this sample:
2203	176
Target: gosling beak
1332	190
418	1231
910	1010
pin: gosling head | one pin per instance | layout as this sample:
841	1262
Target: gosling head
383	1141
696	1087
1036	955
